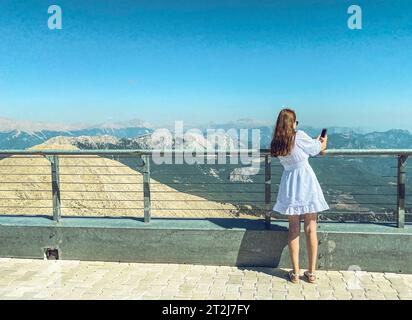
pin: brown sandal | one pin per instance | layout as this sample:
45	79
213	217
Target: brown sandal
310	276
293	277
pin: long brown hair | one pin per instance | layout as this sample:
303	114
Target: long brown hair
284	134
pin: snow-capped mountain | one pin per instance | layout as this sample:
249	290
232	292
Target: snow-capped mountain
190	141
25	134
10	125
134	123
137	133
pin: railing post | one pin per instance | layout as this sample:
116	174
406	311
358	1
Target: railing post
146	188
55	188
268	209
401	191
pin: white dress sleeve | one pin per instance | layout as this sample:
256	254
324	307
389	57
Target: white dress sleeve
309	145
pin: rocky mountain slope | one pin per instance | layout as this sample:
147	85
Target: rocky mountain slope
95	186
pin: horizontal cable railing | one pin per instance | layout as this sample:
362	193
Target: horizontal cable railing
358	184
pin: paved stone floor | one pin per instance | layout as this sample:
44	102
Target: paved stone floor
38	279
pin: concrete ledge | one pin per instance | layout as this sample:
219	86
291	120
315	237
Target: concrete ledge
232	242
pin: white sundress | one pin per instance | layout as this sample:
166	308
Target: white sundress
299	189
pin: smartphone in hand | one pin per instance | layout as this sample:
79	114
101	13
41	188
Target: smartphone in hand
324	132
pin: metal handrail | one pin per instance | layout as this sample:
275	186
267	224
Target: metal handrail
144	155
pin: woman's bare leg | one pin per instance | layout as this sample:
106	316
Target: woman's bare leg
293	241
311	240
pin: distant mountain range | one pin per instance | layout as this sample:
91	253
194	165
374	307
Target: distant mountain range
347	139
135	134
26	134
392	139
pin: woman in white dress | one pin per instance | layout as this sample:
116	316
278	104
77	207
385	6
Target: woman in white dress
299	190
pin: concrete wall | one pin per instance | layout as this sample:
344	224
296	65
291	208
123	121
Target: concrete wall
234	242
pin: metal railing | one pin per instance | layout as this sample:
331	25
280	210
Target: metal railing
54	158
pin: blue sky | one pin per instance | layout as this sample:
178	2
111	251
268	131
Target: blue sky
202	61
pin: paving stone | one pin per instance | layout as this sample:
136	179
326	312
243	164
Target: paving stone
247	290
232	291
375	296
326	293
278	295
295	297
358	297
327	298
38	279
249	285
263	297
343	297
202	287
183	297
404	291
391	296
